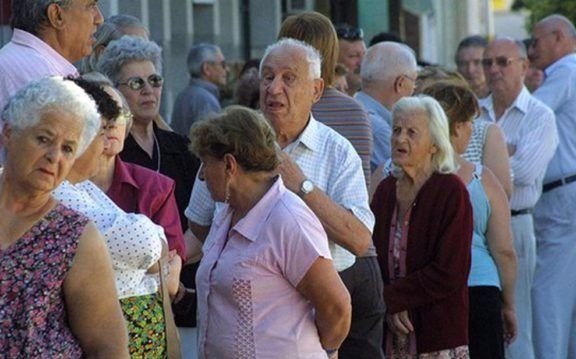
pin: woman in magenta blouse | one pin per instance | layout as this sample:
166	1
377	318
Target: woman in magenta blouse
423	235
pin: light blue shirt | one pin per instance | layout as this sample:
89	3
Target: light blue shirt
381	121
328	160
559	92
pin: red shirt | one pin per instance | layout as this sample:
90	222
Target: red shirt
137	189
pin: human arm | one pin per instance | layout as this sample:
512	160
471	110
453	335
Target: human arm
200	210
495	157
322	286
341	225
193	244
92	304
501	247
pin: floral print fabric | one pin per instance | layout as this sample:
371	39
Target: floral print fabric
33	321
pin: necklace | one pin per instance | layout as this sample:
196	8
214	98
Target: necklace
157	151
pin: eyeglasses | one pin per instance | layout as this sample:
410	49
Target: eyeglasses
350	33
500	61
138	83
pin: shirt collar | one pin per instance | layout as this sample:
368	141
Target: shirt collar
26	39
122	173
520	103
310	137
370	104
562	61
208	86
255	220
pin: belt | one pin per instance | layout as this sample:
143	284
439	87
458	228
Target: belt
561	182
520	212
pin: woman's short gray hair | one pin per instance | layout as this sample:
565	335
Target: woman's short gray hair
27	107
444	160
126	50
313	57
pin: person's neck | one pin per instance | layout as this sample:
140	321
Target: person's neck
22	202
385	98
502	100
481	90
250	191
285	135
417	176
52	39
143	134
75	177
103	179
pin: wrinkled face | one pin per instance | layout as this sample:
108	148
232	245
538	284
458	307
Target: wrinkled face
287	88
469	64
87	164
503	67
217	71
541	50
145	102
411	142
351	54
40	157
81	20
115	130
213	171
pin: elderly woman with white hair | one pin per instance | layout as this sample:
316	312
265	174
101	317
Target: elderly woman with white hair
423	234
57	293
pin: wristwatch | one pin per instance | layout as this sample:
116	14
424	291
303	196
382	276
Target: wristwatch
306	187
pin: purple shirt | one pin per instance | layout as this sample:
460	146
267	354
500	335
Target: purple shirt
248	304
27	58
137	189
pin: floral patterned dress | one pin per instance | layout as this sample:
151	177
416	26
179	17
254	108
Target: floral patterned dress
33	322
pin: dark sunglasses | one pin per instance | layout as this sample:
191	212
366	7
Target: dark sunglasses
500	61
138	83
350	33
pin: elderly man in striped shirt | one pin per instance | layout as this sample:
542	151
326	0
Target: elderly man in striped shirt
530	130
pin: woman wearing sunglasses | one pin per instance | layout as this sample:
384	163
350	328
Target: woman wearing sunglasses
135	65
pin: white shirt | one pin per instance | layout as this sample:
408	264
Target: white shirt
134	241
328	160
530	126
558	91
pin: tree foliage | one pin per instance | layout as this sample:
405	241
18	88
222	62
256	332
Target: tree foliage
539	9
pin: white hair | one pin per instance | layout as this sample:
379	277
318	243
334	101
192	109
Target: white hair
387	60
313	57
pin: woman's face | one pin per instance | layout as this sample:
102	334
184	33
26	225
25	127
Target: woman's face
412	144
461	136
145	102
213	171
40	157
116	130
86	166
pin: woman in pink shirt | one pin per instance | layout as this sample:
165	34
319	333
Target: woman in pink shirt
266	284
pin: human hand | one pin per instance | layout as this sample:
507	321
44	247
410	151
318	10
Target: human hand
510	324
173	273
292	175
400	323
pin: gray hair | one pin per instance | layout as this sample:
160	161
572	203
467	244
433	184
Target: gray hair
126	50
387	60
313	57
30	15
26	108
444	160
112	29
200	54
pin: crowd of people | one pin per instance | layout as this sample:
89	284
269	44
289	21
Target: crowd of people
354	202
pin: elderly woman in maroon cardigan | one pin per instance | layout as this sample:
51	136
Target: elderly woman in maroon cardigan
423	235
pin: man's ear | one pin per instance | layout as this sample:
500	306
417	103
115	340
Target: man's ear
231	164
318	89
54	14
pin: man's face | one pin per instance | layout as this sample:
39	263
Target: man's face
351	54
80	20
503	67
541	50
469	64
288	89
216	71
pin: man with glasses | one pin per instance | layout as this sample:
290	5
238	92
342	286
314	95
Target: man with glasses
468	62
351	51
554	290
388	73
530	131
208	73
48	36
